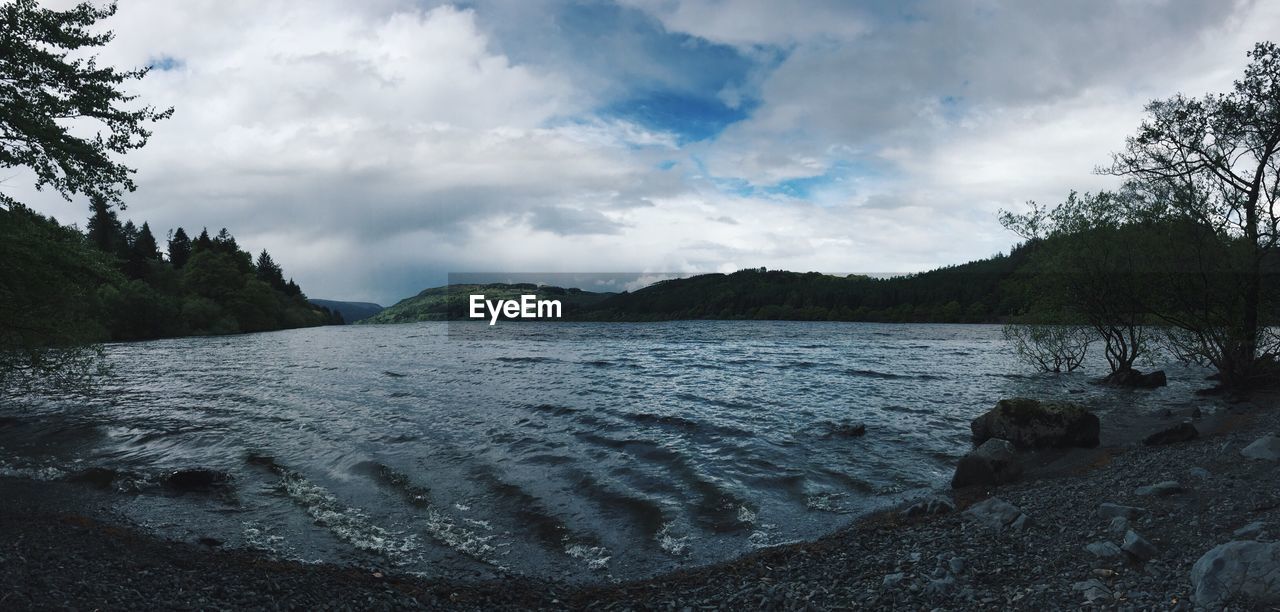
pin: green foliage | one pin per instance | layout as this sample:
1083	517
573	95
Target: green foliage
976	292
452	302
1209	168
48	81
179	248
48	303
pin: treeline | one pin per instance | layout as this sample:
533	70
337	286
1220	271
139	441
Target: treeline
205	285
982	291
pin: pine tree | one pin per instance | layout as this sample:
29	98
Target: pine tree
203	242
144	245
142	251
104	228
179	248
226	243
269	271
129	233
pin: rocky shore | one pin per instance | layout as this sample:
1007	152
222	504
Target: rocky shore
1121	526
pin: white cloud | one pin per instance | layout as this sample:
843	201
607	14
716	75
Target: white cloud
373	147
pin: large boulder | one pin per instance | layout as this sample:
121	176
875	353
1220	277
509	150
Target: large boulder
1029	423
1182	432
1240	569
1134	378
991	464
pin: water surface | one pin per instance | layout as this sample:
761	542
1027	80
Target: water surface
575	451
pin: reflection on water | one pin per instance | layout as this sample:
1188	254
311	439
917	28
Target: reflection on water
577	451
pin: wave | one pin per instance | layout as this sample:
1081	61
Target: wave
891	376
684	424
714	506
349	524
644	513
439	525
553	409
527	359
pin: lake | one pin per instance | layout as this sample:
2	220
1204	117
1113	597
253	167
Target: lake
574	451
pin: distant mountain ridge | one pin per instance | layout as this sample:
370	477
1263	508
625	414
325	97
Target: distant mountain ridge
982	291
451	302
350	311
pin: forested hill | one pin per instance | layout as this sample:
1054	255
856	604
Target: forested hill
979	291
112	282
987	290
451	302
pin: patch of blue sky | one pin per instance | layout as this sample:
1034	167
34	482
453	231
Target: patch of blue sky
166	63
840	179
690	118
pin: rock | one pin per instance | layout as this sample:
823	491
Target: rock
892	580
1266	448
1118	526
1237	569
1182	432
1109	510
1103	550
196	479
931	506
990	464
939	586
1029	423
1134	378
1166	414
1168	487
1093	590
1250	531
1138	546
1200	473
1196	413
997	514
956	565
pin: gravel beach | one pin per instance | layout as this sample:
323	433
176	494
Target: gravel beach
1048	542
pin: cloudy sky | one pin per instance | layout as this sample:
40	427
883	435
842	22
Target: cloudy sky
374	147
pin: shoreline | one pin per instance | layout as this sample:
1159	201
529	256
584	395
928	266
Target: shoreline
61	546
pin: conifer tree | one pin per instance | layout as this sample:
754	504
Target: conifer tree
179	248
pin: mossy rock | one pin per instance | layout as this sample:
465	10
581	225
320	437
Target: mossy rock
1030	423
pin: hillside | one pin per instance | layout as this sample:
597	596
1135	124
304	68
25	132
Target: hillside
980	291
350	311
986	290
451	302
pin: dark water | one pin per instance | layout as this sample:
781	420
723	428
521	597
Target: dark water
578	451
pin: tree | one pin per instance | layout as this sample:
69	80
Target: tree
269	271
179	248
1214	163
104	227
144	246
47	304
47	85
1050	348
142	252
203	243
1090	266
